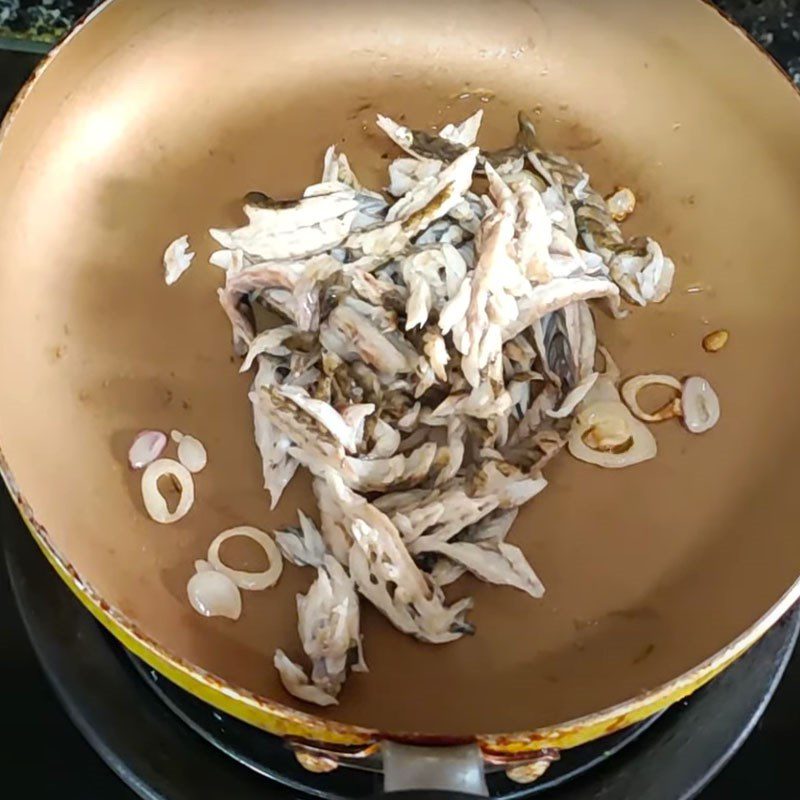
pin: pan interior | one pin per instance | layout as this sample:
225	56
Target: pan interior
159	116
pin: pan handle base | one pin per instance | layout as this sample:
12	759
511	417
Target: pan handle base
456	770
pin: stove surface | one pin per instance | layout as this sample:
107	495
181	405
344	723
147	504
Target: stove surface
46	747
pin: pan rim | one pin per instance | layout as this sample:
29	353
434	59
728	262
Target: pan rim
283	720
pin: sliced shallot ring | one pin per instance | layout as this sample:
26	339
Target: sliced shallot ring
617	449
630	394
642	444
213	594
191	451
254	581
154	501
146	448
700	405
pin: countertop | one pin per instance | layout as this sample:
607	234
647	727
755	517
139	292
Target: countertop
33	26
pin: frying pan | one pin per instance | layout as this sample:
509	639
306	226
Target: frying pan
155	117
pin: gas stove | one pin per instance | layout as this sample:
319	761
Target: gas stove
160	742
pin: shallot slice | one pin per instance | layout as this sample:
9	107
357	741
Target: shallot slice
700	405
630	394
621	204
715	341
146	448
154	501
191	452
608	435
254	581
214	594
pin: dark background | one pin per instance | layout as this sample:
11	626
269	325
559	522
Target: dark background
42	748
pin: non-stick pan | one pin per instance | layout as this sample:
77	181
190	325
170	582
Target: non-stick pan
155	117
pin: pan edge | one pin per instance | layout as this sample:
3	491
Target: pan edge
286	721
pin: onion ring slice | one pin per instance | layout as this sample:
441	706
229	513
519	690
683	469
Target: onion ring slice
146	448
154	501
700	404
630	394
213	594
253	581
620	439
191	451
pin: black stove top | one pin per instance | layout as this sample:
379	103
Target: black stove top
165	744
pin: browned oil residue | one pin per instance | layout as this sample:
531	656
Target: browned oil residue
358	110
646	653
581	138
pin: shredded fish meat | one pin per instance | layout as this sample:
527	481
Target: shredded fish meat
436	349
